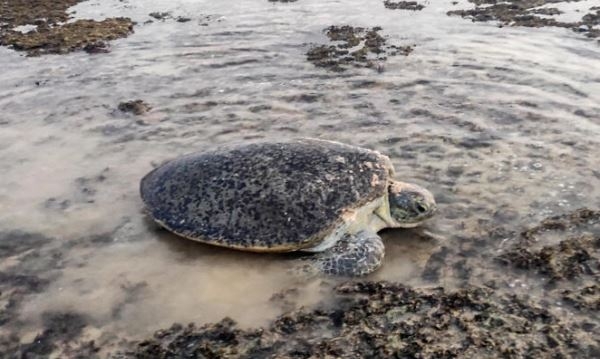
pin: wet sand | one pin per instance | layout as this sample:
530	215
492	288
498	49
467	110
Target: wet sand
500	123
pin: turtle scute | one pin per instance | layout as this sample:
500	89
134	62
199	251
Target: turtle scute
270	196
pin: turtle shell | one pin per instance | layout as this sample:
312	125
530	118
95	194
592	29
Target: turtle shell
273	196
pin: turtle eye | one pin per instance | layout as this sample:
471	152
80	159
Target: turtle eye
420	208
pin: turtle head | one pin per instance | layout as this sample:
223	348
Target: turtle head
410	204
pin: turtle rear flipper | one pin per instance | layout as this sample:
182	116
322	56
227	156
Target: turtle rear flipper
353	255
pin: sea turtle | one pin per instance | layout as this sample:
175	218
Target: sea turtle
301	195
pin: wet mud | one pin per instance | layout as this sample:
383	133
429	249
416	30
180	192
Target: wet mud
50	34
354	46
528	13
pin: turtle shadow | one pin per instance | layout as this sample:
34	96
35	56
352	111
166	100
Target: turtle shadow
183	247
191	250
400	239
407	252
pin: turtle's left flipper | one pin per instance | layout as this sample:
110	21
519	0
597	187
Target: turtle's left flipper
353	255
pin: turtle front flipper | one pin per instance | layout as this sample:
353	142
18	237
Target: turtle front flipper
353	255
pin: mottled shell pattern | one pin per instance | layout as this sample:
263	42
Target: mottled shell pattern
271	196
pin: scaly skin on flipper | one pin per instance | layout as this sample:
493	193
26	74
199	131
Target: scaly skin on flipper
353	255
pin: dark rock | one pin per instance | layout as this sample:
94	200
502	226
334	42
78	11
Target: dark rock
99	47
137	107
160	15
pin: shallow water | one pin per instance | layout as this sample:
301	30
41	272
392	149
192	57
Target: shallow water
501	124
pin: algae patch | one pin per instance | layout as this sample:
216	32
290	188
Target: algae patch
354	46
81	34
527	13
576	255
52	35
33	12
403	5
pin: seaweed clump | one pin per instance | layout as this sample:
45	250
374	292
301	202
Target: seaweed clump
34	12
355	46
583	298
569	259
403	5
576	255
51	34
81	34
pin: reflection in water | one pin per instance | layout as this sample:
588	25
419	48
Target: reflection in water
500	124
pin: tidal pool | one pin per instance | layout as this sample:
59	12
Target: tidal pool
502	124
